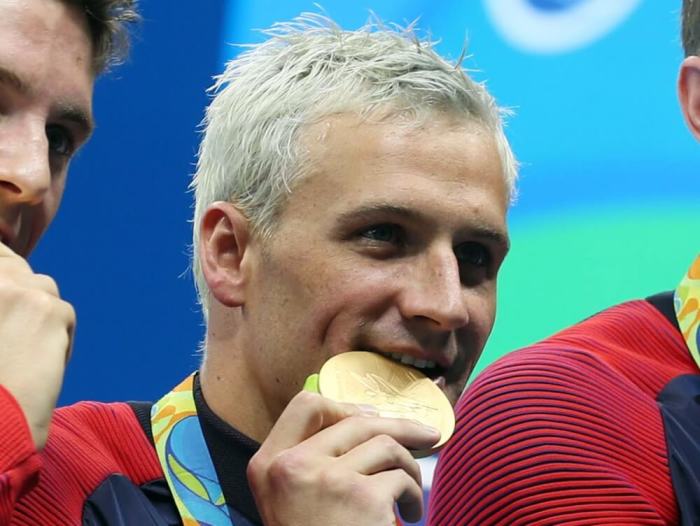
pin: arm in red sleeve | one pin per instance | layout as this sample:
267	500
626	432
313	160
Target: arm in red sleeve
554	436
19	460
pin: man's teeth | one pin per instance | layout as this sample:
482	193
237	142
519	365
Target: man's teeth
410	360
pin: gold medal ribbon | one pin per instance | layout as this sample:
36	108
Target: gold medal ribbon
686	302
185	459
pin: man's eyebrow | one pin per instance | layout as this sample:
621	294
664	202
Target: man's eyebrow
478	228
65	111
372	210
496	236
78	116
8	76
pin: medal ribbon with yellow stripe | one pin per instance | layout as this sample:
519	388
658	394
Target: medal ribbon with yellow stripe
185	459
686	302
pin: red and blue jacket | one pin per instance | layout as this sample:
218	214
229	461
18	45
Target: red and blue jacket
99	467
598	424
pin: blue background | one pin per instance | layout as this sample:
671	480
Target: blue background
118	247
609	194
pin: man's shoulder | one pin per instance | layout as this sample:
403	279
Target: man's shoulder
94	416
558	427
631	344
89	441
107	433
97	423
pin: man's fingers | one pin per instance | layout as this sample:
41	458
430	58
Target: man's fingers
306	415
355	430
45	283
9	256
36	339
6	251
70	317
381	453
341	457
406	493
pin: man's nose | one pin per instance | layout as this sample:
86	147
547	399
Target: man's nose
434	291
25	173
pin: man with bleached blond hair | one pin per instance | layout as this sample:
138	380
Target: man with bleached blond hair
350	194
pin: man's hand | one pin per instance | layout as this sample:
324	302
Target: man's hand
36	334
334	464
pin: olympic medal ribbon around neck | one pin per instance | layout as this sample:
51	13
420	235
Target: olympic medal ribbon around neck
185	459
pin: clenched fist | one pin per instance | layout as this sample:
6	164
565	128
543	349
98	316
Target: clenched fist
36	334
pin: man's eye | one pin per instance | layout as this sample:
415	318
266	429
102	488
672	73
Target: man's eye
385	233
60	140
474	254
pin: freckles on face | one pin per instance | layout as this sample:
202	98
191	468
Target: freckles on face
323	294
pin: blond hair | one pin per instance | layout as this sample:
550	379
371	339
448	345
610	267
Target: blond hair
309	69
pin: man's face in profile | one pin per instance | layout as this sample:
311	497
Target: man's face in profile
391	244
46	81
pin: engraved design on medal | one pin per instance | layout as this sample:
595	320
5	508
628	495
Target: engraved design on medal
395	390
391	401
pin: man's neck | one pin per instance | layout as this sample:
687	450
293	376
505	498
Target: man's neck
232	396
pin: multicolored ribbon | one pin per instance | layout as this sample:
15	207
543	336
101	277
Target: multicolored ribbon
686	302
185	459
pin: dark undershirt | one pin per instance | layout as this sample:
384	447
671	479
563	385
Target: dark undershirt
679	404
664	304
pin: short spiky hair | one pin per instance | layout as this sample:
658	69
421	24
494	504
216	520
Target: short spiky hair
307	70
108	21
691	27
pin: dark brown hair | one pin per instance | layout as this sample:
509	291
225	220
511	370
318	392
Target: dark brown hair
108	21
691	27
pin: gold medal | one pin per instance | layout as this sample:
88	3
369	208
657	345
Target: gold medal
395	390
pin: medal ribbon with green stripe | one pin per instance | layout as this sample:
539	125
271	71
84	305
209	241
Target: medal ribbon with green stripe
686	301
185	459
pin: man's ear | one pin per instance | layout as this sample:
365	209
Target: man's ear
224	235
689	93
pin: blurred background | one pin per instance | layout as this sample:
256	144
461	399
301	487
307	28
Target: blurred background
609	189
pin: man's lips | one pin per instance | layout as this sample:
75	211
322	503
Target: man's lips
430	368
441	352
